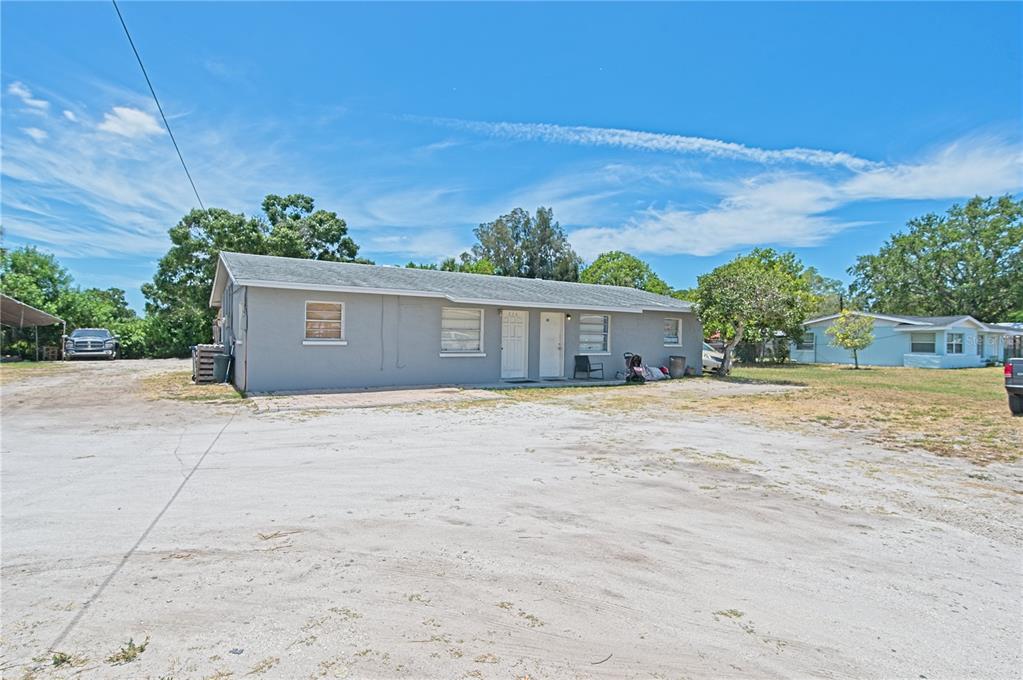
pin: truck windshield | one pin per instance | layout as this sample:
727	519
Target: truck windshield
90	333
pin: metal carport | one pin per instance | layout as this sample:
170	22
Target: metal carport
16	314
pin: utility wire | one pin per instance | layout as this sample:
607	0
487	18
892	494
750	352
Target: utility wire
157	100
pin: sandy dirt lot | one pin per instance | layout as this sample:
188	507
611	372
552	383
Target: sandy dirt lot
486	538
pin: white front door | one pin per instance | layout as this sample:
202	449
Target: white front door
514	336
552	345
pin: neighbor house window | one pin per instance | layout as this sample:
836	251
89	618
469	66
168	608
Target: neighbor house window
672	332
954	343
980	345
807	341
593	334
922	343
461	331
324	321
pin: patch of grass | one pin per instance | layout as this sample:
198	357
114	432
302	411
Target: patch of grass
178	385
730	613
128	653
959	412
64	659
13	371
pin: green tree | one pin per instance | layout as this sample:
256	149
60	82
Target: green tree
853	332
523	245
830	293
967	261
33	277
616	268
753	295
177	300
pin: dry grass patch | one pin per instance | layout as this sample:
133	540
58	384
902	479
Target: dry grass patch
178	385
25	370
948	412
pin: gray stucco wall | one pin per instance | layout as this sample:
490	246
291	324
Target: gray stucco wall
395	341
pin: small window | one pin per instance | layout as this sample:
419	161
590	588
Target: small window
807	342
954	343
921	343
461	330
980	345
672	332
324	321
593	334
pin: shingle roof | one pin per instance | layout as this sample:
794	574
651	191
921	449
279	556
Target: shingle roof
932	320
287	272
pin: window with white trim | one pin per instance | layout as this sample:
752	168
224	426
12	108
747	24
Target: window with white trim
954	343
593	334
672	332
807	342
980	345
324	321
921	343
461	331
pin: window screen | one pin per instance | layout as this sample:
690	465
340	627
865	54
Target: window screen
461	330
593	333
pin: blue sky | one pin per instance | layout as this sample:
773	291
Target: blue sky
684	133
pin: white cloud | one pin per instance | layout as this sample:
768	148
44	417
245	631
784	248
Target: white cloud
70	115
35	133
795	210
129	122
87	193
21	91
974	165
654	141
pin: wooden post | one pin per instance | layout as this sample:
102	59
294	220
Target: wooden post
37	342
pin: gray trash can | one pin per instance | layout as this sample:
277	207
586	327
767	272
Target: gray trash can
221	362
676	366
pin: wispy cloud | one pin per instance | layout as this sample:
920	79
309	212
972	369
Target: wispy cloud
129	122
653	141
114	186
21	91
35	133
798	209
70	115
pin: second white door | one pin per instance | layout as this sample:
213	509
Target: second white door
552	345
514	334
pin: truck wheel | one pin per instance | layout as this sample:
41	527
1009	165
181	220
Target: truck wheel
1016	404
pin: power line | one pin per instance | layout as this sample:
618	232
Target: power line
157	100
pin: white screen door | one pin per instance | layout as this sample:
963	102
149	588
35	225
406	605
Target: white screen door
552	343
514	333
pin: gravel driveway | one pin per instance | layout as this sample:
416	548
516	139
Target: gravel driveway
485	539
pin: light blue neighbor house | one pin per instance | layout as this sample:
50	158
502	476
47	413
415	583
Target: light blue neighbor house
916	341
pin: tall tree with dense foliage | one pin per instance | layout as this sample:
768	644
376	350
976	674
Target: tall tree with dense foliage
830	293
852	332
177	300
528	246
967	261
616	268
753	295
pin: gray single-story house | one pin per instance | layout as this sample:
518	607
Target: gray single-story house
294	324
916	341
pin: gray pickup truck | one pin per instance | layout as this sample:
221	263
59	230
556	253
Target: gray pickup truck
1014	385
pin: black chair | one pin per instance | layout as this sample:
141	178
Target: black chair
583	365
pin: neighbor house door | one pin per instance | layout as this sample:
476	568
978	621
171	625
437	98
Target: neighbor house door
514	337
552	345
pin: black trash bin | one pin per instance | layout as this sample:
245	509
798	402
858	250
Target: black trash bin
221	364
676	366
